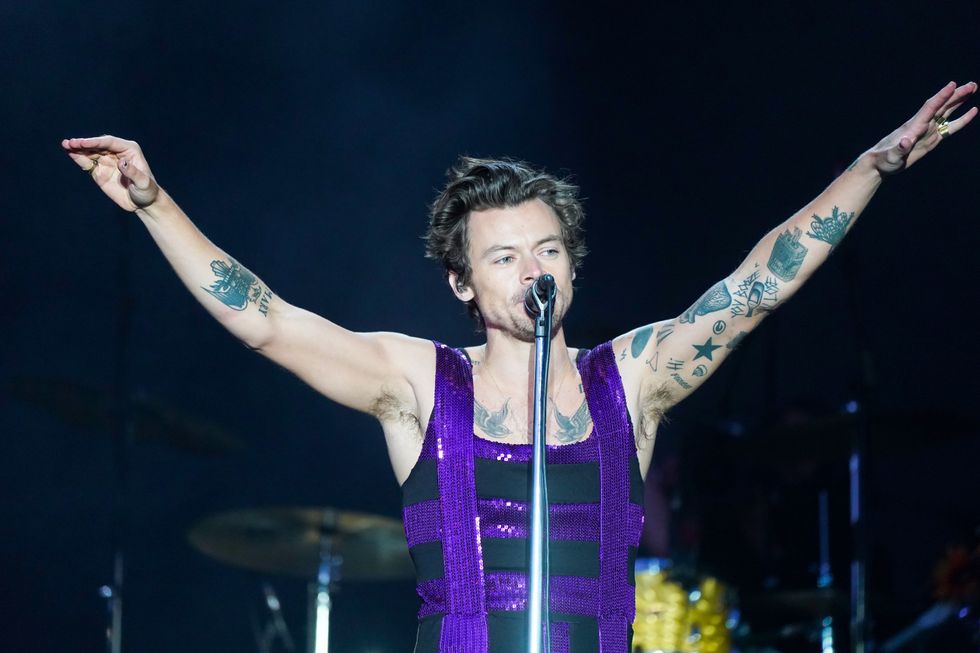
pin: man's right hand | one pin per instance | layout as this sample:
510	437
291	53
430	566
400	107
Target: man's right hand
118	167
388	375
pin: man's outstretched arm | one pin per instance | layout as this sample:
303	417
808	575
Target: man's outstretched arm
669	360
354	369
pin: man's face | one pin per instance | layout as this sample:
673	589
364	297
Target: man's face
509	248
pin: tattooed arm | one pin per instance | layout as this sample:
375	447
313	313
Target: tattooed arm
666	361
368	372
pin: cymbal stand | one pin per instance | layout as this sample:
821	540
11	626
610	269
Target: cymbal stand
275	628
826	578
122	427
860	621
319	601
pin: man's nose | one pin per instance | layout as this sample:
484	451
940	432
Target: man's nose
532	269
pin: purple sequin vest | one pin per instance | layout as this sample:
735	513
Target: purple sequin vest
466	512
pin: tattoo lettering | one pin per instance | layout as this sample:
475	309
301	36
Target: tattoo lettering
622	356
700	370
491	423
664	331
830	230
575	427
640	340
264	302
681	382
787	254
673	364
718	327
705	350
737	340
236	287
716	298
753	295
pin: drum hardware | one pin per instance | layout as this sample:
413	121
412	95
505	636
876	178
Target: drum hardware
322	545
275	628
136	418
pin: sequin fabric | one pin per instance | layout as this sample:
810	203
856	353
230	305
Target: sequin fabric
607	404
507	592
464	628
559	637
468	595
567	521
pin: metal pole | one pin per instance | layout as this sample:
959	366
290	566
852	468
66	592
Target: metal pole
122	422
320	603
538	604
826	577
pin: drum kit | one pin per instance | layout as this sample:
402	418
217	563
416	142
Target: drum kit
679	609
321	545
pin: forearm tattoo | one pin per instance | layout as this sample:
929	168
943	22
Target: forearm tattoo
236	287
754	295
787	254
832	229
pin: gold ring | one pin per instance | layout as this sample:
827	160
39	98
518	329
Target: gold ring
943	129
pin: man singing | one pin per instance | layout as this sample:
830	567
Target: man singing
456	421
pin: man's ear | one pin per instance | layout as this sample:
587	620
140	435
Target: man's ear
463	293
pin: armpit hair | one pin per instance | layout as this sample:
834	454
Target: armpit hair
389	408
653	412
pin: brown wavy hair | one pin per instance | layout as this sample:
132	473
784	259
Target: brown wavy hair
479	184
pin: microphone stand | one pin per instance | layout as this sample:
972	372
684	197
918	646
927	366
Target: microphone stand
539	604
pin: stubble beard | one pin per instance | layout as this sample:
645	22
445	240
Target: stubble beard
522	325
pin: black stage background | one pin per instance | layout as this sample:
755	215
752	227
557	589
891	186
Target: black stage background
307	139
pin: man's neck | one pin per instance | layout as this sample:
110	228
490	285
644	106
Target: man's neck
511	362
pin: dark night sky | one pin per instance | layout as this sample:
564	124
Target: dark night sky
307	140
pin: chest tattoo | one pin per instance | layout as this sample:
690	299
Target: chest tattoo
492	423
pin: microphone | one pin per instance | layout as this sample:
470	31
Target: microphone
538	294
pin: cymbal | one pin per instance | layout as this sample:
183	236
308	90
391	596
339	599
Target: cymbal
290	540
152	420
827	438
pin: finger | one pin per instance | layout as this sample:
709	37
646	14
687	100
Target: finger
931	108
128	168
959	97
84	161
962	121
104	143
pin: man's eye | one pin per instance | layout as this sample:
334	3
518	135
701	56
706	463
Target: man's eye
551	251
504	260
